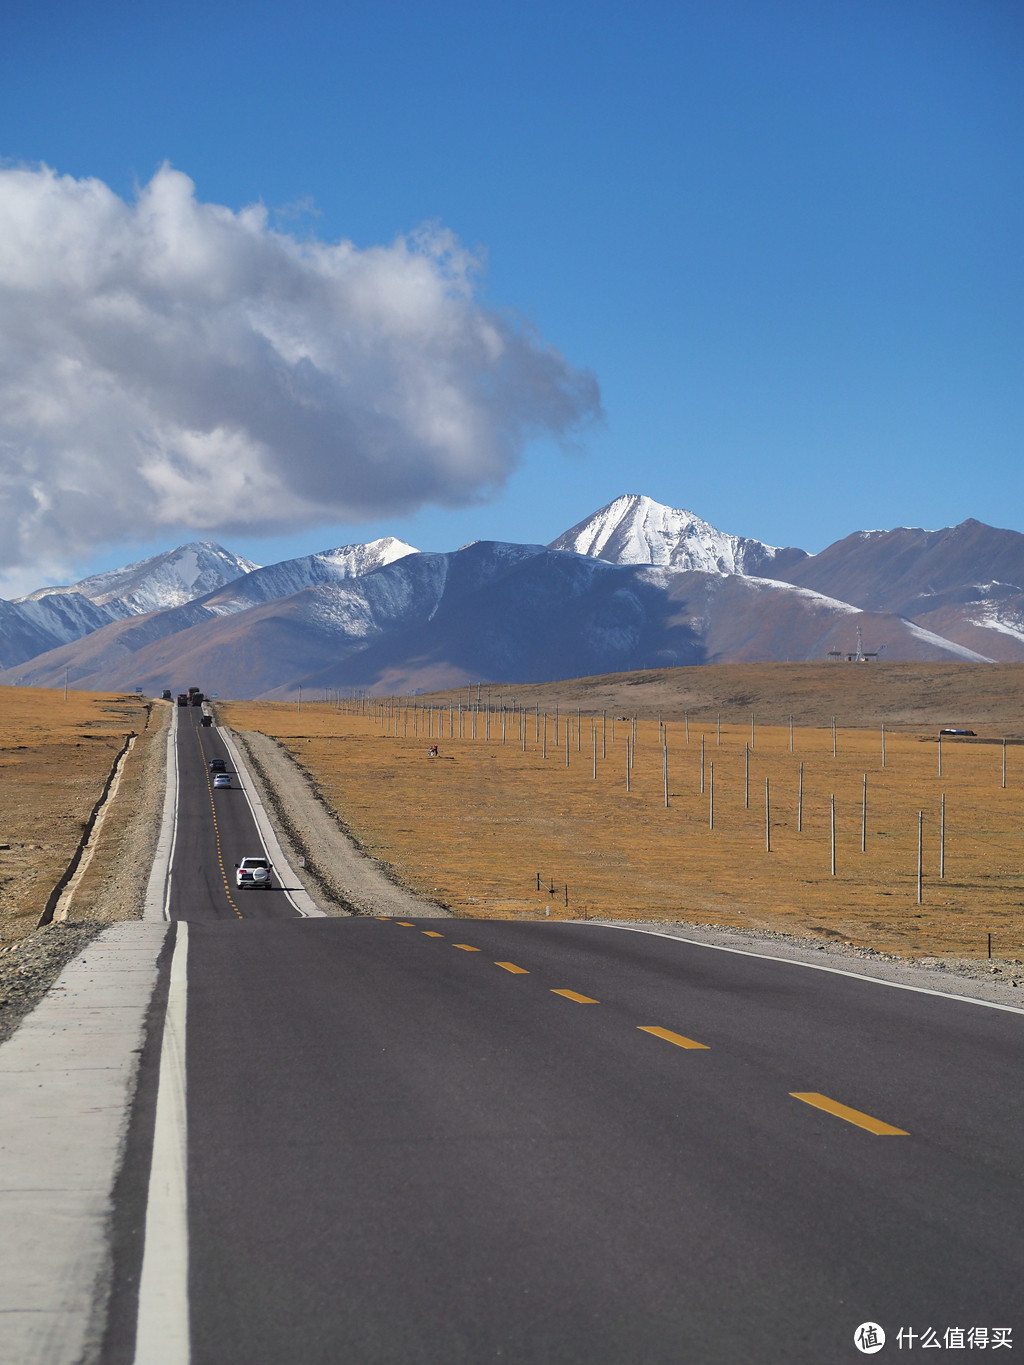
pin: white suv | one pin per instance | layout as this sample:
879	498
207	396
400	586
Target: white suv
253	872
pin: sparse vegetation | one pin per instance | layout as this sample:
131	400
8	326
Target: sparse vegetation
476	826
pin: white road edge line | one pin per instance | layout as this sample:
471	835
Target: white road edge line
163	1328
300	900
158	888
817	967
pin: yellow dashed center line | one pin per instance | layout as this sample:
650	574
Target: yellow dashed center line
671	1037
216	828
843	1111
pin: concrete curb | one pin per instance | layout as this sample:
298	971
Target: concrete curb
158	889
66	1081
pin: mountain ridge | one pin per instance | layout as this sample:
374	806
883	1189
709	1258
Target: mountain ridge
636	584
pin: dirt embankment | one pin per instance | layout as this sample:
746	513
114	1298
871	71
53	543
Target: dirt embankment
57	757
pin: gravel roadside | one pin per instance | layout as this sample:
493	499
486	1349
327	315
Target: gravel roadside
29	967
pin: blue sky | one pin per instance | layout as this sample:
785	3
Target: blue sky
784	236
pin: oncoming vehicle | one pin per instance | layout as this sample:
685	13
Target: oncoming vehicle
221	780
253	872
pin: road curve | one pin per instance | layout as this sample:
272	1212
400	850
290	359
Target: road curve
457	1141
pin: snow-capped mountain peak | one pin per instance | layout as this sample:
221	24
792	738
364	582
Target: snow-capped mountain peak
167	580
634	529
360	559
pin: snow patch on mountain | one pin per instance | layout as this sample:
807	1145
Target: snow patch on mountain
941	642
993	617
637	530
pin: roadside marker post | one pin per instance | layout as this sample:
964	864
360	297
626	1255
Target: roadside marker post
767	816
800	801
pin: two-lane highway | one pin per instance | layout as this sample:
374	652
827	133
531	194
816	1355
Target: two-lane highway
215	831
448	1141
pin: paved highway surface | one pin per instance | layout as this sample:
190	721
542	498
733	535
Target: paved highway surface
448	1141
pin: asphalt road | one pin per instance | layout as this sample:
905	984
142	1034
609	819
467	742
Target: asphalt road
215	832
447	1141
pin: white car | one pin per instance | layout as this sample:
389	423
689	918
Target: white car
253	872
221	780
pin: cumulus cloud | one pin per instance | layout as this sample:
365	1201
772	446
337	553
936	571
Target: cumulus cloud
170	363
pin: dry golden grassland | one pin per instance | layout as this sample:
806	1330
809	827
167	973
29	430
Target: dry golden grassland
55	756
474	827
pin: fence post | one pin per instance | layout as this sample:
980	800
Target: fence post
711	798
942	836
864	817
746	777
920	854
832	825
702	765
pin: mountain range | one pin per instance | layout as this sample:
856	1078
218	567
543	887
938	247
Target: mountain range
635	585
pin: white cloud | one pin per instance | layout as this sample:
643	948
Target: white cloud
168	363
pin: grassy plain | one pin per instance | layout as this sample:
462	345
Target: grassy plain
475	827
55	756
